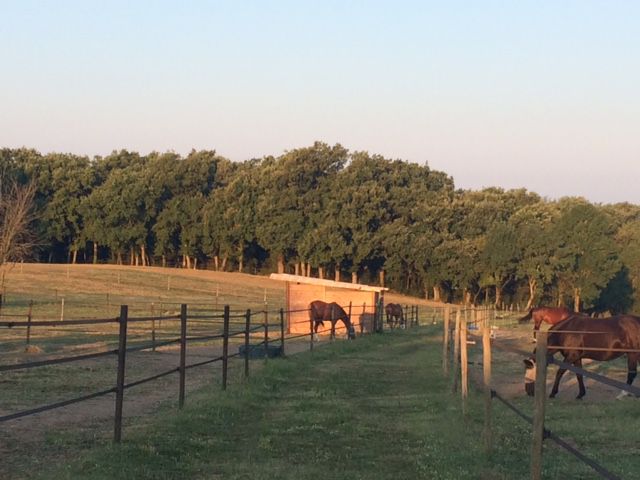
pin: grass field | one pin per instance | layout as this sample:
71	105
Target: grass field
374	408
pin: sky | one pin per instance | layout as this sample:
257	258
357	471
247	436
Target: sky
542	95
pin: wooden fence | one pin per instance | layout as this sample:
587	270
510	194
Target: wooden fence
455	351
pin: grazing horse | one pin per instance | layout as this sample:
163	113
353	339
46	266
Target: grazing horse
320	311
550	315
395	314
601	339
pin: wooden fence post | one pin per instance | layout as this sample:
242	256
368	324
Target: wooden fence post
456	351
486	370
538	406
183	353
122	353
266	335
464	366
349	319
445	342
417	317
29	318
225	347
247	332
282	332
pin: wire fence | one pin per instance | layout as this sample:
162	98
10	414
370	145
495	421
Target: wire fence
455	342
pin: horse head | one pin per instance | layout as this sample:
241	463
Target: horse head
527	317
529	375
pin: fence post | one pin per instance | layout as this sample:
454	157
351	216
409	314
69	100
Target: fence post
183	352
266	335
225	347
445	342
310	333
349	320
464	366
122	353
247	332
486	370
29	318
456	351
417	317
153	327
282	332
538	406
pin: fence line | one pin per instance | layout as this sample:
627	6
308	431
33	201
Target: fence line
124	321
539	432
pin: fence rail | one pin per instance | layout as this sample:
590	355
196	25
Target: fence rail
539	432
251	322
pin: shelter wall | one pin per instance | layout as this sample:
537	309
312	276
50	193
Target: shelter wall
299	296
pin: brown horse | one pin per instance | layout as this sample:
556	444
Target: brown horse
575	340
550	315
395	314
320	311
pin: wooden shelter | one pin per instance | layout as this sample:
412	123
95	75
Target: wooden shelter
301	291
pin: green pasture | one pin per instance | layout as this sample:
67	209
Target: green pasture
378	407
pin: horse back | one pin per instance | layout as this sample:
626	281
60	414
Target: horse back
606	335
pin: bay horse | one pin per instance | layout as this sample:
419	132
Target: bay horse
395	314
550	315
573	338
320	311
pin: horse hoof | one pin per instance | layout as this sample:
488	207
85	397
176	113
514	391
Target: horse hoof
552	395
579	397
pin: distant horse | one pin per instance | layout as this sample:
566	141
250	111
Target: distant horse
613	334
395	314
550	315
320	311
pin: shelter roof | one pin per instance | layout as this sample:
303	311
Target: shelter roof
327	283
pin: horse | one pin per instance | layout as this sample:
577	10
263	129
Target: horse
550	315
395	314
320	311
600	339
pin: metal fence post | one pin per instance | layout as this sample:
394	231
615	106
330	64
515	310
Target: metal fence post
122	352
282	332
29	318
225	347
183	352
266	335
247	332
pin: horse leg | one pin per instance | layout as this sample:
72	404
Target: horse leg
581	389
632	371
559	374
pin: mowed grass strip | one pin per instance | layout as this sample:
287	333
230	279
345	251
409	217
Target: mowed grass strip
378	408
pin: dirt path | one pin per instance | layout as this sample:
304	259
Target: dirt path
45	435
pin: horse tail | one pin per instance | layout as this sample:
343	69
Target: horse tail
527	317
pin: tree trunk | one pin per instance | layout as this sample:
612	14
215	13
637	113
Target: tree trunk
498	304
533	284
74	256
119	257
224	263
95	252
240	263
195	263
308	269
297	269
337	275
320	272
354	277
216	262
437	293
381	277
143	255
576	300
280	263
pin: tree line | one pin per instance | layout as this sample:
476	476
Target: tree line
327	212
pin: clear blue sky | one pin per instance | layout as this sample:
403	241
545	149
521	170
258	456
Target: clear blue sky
537	94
